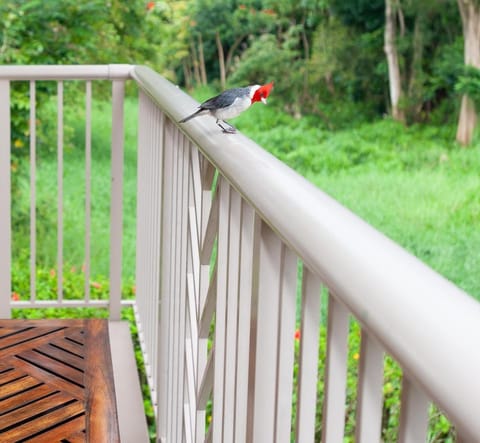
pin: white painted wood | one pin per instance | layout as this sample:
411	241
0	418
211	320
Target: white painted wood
220	312
180	296
210	232
60	191
308	360
88	187
358	264
369	391
286	347
116	204
266	331
204	287
248	254
209	308
172	417
206	383
66	72
231	326
164	337
5	200
335	372
413	414
131	415
33	199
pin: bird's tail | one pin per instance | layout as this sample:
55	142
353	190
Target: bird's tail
197	112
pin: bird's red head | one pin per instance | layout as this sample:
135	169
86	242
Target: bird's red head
262	93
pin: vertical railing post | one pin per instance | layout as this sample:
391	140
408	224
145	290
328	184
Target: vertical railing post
116	205
88	185
413	413
370	397
33	198
5	189
308	358
60	134
335	372
166	195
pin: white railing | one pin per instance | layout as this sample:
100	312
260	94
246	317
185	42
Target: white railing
261	218
222	227
117	74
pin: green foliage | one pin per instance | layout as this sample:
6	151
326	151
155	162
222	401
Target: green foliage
469	83
48	32
45	30
366	15
266	60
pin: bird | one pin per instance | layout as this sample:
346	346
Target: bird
231	103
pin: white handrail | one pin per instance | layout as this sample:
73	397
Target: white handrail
65	72
431	327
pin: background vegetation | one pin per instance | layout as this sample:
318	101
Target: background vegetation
331	116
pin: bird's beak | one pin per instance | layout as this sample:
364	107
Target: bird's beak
264	100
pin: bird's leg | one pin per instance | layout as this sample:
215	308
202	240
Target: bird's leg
229	129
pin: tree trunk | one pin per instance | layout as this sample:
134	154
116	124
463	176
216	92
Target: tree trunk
415	84
231	51
187	75
390	48
203	71
196	69
470	13
221	60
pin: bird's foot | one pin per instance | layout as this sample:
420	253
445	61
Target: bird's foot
229	129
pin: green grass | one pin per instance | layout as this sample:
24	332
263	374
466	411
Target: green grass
414	184
74	179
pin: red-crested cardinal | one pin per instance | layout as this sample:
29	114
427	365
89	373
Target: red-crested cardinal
232	103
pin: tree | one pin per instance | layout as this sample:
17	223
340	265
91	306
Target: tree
470	13
394	78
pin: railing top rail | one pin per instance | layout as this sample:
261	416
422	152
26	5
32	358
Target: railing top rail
429	325
65	72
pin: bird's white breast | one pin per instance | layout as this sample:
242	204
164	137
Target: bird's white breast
239	105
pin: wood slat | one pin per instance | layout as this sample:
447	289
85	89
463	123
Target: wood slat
19	385
57	368
57	434
78	437
25	397
61	355
102	423
10	375
24	336
43	376
70	346
38	425
40	407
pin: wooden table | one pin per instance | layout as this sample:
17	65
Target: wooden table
56	382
